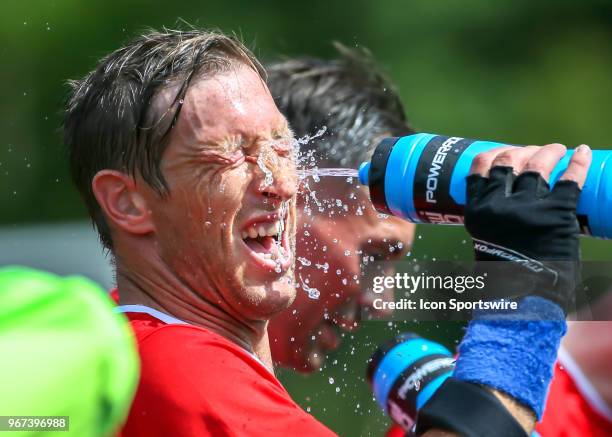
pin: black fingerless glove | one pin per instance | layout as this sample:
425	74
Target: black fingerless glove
518	219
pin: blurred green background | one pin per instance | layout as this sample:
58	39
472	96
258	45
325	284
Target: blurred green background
518	71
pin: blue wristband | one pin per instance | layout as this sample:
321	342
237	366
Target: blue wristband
514	352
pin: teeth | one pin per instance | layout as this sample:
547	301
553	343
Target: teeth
271	230
267	255
263	230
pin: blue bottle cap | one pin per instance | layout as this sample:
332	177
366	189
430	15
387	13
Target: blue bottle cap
364	173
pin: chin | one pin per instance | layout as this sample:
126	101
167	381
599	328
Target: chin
267	300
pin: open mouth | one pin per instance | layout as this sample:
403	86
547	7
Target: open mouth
267	241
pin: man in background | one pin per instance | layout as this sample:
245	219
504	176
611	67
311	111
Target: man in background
354	105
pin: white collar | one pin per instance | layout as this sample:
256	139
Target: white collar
166	318
169	320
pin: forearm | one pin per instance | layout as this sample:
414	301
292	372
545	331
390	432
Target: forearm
523	415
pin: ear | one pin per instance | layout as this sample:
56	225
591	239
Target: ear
122	203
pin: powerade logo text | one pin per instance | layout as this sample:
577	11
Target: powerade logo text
431	193
433	174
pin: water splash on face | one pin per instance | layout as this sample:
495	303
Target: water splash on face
308	138
269	178
310	175
283	212
303	159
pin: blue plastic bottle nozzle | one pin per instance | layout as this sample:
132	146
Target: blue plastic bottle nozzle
364	169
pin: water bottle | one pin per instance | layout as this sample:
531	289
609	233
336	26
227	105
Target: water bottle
422	178
405	372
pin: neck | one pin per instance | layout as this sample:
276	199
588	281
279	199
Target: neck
155	285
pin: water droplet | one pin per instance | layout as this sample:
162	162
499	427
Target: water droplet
268	178
325	267
313	293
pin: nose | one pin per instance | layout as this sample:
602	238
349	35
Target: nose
279	178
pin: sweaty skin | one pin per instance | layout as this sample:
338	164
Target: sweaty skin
183	252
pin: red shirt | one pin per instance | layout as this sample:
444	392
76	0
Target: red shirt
197	383
573	408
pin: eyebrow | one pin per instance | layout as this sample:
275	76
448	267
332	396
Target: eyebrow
237	141
230	143
281	132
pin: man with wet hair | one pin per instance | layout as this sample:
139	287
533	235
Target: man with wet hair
186	167
352	102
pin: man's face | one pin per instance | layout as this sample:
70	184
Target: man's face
332	246
225	228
